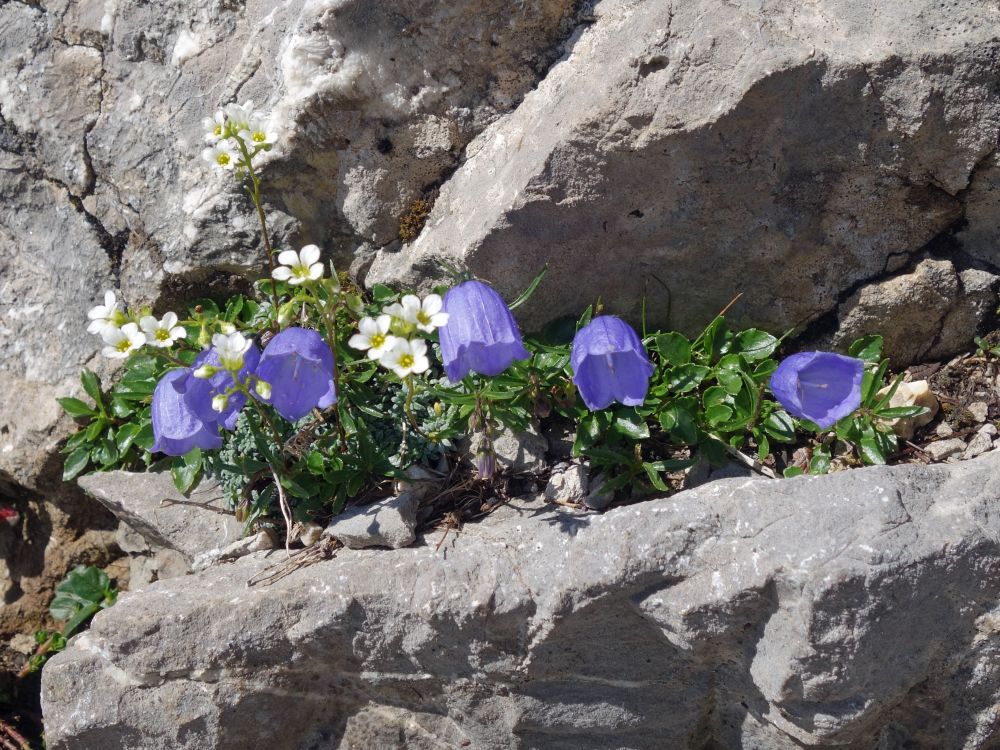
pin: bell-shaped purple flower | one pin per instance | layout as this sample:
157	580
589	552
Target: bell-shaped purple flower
819	386
177	424
481	334
298	365
610	364
203	390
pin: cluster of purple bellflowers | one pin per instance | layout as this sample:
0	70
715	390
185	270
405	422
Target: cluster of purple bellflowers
294	374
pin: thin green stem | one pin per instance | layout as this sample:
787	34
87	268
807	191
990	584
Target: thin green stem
255	196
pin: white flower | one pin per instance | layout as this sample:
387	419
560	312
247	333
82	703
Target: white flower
240	115
215	127
424	315
406	357
299	267
230	347
103	316
221	155
162	333
374	336
258	132
120	342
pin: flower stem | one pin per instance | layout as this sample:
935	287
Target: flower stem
330	312
407	405
255	196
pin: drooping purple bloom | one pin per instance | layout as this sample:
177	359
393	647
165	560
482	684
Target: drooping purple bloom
178	425
819	386
481	334
202	392
610	364
298	365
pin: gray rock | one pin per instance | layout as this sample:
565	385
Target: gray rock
265	539
160	565
796	150
597	498
942	449
516	452
137	498
979	410
703	619
569	485
981	442
387	523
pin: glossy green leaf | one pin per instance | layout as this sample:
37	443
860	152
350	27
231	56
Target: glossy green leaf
75	407
867	348
687	377
673	348
755	344
76	462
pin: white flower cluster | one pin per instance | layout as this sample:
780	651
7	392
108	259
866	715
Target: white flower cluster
229	126
122	335
299	267
390	337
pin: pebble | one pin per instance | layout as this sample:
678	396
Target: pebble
942	449
944	430
979	410
391	522
568	485
596	499
980	443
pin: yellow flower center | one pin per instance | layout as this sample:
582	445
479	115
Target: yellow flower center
162	334
124	345
423	318
377	340
259	137
406	360
218	130
223	159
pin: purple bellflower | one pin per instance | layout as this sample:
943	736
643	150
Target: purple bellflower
178	425
819	386
201	395
481	334
298	365
610	364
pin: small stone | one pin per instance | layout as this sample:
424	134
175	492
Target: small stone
517	453
568	485
980	443
596	498
944	430
388	523
916	393
979	411
942	449
22	643
130	540
989	428
419	480
310	534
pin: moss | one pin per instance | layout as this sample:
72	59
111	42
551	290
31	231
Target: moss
412	222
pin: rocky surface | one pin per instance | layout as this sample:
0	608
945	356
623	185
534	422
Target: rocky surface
705	619
685	152
391	522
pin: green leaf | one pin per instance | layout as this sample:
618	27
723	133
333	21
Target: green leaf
95	428
895	412
871	382
631	426
793	471
126	436
678	420
76	462
315	463
673	348
381	293
718	413
763	447
820	462
105	453
867	348
871	451
687	377
526	294
121	408
75	407
780	426
755	344
82	593
731	380
91	385
186	469
145	438
713	395
654	477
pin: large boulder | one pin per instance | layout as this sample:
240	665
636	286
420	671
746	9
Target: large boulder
682	153
854	610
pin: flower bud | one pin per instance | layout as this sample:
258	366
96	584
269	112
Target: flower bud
263	389
219	402
486	463
205	371
355	304
438	409
227	328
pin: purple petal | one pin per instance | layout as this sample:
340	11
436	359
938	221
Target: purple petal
819	386
481	334
177	428
610	364
298	365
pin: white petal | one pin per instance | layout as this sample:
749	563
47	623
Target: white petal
169	320
384	322
369	327
288	258
316	271
130	329
359	341
112	353
296	281
96	326
418	347
395	310
420	364
282	273
148	324
98	313
179	332
439	319
432	304
411	303
376	352
402	372
309	255
110	300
